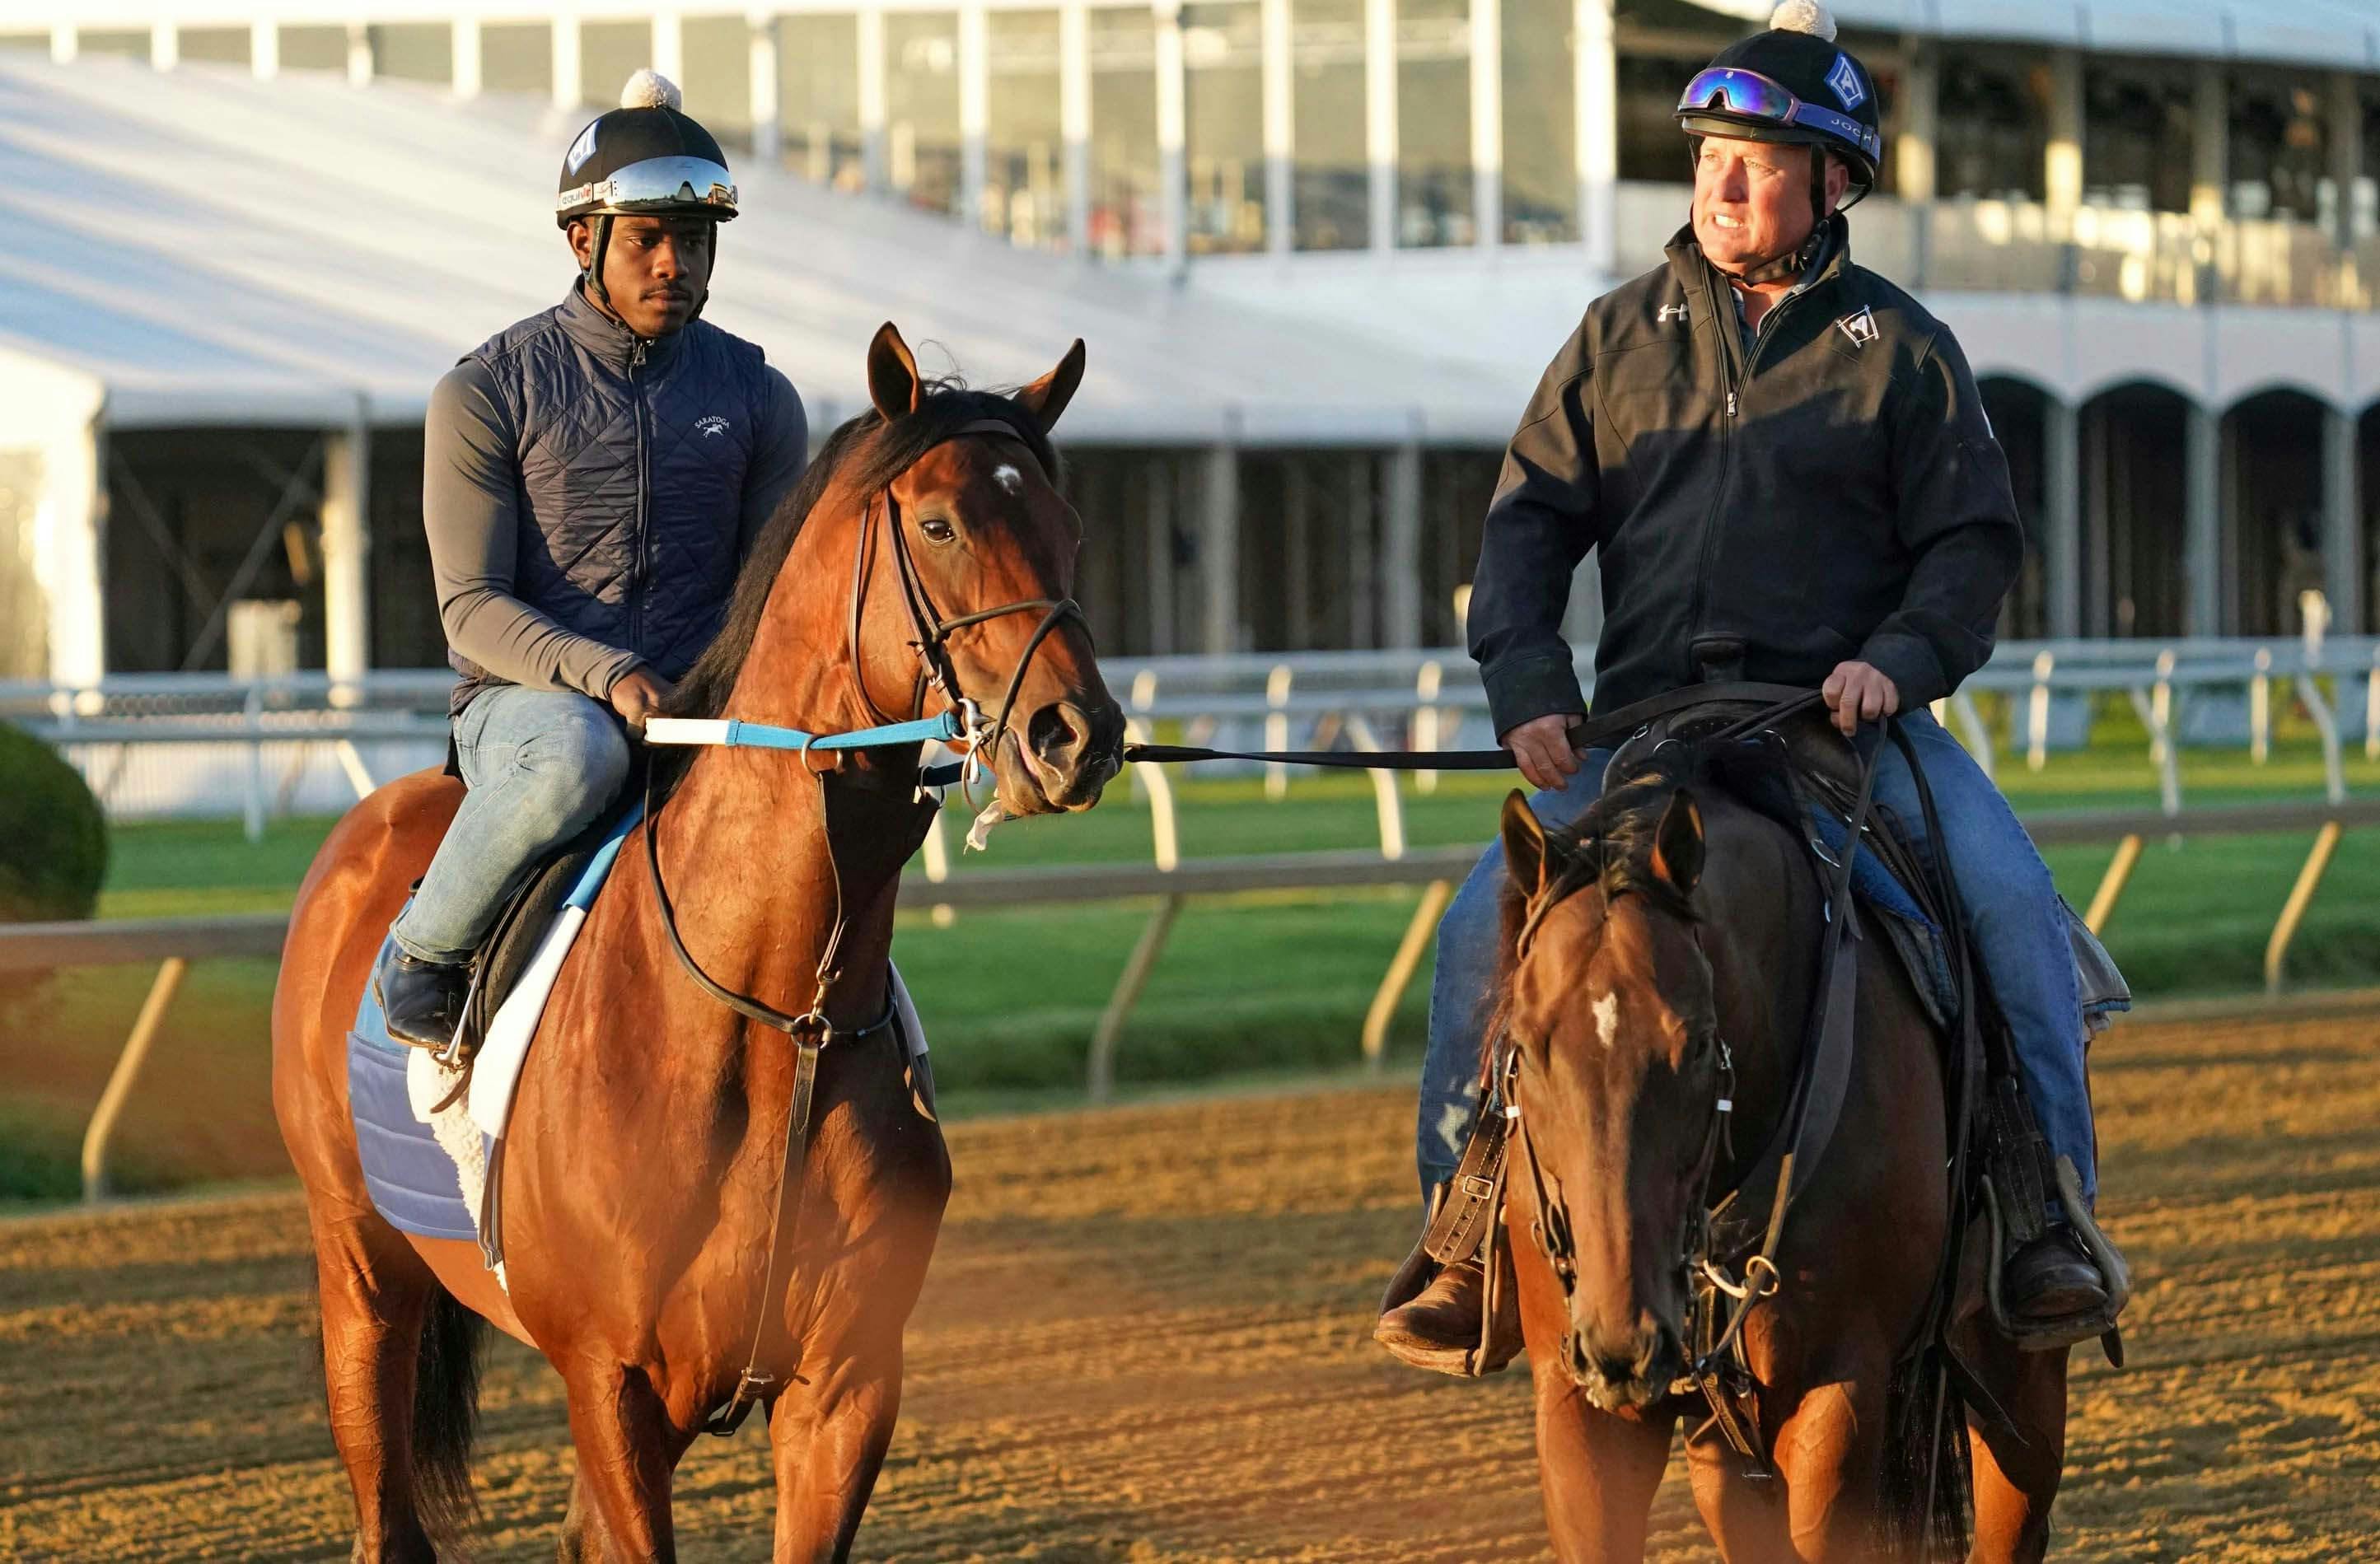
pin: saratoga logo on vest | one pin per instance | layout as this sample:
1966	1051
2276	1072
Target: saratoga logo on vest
711	425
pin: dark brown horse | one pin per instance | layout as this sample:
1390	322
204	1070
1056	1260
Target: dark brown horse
1664	954
644	1149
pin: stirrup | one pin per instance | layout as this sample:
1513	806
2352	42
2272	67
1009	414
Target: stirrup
2053	1335
1467	1216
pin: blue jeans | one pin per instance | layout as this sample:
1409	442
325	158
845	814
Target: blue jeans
2010	903
541	766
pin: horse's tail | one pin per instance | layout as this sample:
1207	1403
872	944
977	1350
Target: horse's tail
1926	1507
446	1413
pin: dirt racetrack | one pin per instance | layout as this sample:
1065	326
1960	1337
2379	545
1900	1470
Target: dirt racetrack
1144	1340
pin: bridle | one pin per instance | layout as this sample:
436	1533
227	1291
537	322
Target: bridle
1550	1228
811	1031
931	642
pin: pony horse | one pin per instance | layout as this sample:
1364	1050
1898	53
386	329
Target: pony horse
1662	955
655	1134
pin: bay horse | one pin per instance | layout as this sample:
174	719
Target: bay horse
649	1139
1661	958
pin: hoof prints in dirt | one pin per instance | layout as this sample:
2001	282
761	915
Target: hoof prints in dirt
1145	1339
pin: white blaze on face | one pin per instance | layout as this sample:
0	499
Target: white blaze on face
1008	477
1607	1019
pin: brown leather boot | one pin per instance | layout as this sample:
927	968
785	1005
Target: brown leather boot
1438	1328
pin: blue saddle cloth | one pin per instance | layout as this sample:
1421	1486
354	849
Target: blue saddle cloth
411	1179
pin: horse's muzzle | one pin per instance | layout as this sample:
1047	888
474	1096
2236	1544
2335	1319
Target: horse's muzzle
1634	1371
1073	750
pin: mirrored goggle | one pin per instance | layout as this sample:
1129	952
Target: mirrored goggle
656	184
1749	96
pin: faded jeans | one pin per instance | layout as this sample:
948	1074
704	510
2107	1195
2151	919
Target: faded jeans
2010	903
541	765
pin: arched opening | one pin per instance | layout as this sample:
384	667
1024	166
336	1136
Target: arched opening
2135	504
2018	413
2272	510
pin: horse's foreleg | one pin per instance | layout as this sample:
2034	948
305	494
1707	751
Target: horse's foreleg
1745	1514
374	1293
1830	1456
628	1451
829	1443
2016	1478
1598	1471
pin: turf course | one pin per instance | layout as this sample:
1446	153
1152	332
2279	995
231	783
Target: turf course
1254	985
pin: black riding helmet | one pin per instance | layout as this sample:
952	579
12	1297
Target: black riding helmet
646	158
1792	84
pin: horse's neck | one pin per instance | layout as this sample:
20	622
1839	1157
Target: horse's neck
763	888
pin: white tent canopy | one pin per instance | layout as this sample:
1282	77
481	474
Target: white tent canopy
2336	34
214	250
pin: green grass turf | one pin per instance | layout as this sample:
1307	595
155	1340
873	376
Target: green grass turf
1247	986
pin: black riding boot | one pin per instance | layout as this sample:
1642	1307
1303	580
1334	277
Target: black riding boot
422	999
2052	1279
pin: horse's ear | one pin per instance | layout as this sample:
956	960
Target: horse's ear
1047	397
892	381
1525	848
1678	842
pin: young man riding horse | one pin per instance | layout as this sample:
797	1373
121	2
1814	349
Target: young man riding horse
592	477
1786	471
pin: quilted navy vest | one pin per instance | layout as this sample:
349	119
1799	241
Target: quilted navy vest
632	457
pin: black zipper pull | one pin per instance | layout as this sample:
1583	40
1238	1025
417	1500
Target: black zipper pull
637	355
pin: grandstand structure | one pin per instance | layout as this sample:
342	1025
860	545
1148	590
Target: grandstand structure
1320	251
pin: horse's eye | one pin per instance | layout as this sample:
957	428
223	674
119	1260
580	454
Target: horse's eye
936	529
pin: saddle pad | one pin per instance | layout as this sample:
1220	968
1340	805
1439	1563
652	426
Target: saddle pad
411	1178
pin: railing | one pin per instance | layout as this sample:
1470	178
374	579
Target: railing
176	943
202	744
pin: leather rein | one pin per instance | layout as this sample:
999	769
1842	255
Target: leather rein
811	1031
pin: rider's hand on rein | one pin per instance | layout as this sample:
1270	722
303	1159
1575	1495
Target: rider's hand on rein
1857	693
1542	747
638	694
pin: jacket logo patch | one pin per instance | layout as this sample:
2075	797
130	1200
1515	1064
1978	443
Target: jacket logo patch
1668	310
1845	82
711	425
1860	328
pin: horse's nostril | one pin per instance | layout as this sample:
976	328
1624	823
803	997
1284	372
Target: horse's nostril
1053	734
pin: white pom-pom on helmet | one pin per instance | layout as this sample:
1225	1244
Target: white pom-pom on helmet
650	88
1804	15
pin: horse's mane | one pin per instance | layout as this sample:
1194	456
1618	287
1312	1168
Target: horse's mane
1611	845
872	450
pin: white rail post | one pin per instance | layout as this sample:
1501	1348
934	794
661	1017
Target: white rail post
127	1069
2036	737
2334	763
2260	708
2276	950
1426	686
1277	729
762	69
1398	977
252	711
1165	840
1384	790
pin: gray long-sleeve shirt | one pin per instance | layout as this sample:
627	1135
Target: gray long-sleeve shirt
575	490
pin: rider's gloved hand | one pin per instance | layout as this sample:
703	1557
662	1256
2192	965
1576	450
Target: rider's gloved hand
638	694
1543	747
1859	692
